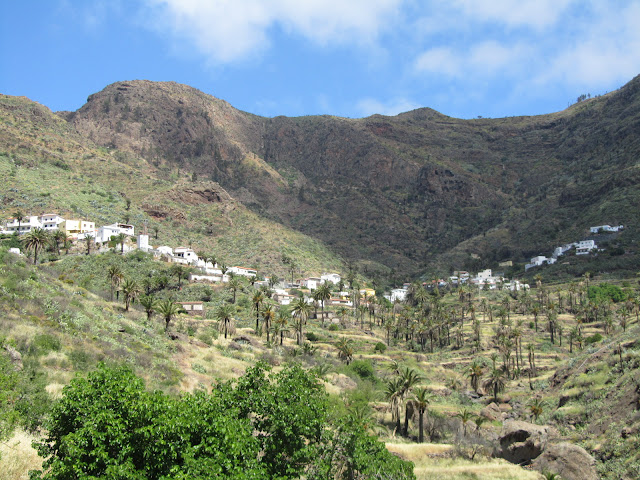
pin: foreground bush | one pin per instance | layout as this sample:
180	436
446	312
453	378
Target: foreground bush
264	425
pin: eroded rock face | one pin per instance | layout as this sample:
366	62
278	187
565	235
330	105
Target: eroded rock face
522	442
569	461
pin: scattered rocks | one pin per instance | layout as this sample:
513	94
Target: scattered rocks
571	462
491	412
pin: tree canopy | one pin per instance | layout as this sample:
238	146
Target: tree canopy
264	425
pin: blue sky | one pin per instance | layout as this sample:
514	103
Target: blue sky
349	58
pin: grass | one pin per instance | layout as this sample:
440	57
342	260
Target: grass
433	462
17	456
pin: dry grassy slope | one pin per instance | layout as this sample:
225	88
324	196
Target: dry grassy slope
48	166
397	190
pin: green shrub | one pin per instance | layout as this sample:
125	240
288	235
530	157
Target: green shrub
312	337
333	327
596	337
43	344
606	291
363	369
380	347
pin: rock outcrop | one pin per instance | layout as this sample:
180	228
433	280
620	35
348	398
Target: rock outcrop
571	462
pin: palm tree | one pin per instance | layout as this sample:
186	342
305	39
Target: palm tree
281	323
464	415
475	373
536	407
88	239
393	394
168	309
421	400
35	240
258	298
19	216
149	303
234	285
268	315
410	378
322	294
224	314
345	350
115	277
178	271
130	289
58	238
120	239
300	312
495	382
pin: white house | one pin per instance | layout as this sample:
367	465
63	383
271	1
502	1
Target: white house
330	277
104	233
398	294
283	298
16	251
606	228
50	221
311	283
209	278
584	247
185	255
562	249
244	271
538	261
164	250
24	226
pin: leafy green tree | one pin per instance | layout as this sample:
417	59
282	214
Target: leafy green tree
19	216
36	240
57	238
350	453
465	415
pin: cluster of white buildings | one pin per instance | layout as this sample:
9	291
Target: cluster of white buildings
583	247
74	228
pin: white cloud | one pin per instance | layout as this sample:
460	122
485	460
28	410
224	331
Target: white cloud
488	58
537	14
371	106
603	52
230	30
440	60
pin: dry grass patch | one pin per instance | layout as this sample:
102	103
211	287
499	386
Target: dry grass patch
17	457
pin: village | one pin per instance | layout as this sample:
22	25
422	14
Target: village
208	270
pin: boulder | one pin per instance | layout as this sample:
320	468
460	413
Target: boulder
569	461
491	412
15	357
522	442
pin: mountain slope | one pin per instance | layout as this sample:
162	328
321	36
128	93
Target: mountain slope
399	191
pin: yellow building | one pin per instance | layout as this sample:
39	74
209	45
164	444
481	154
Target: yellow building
74	227
369	292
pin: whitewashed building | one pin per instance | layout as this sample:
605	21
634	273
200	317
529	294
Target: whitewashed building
25	225
330	277
51	221
606	228
244	271
584	247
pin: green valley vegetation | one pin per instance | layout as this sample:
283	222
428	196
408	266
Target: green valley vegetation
264	425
